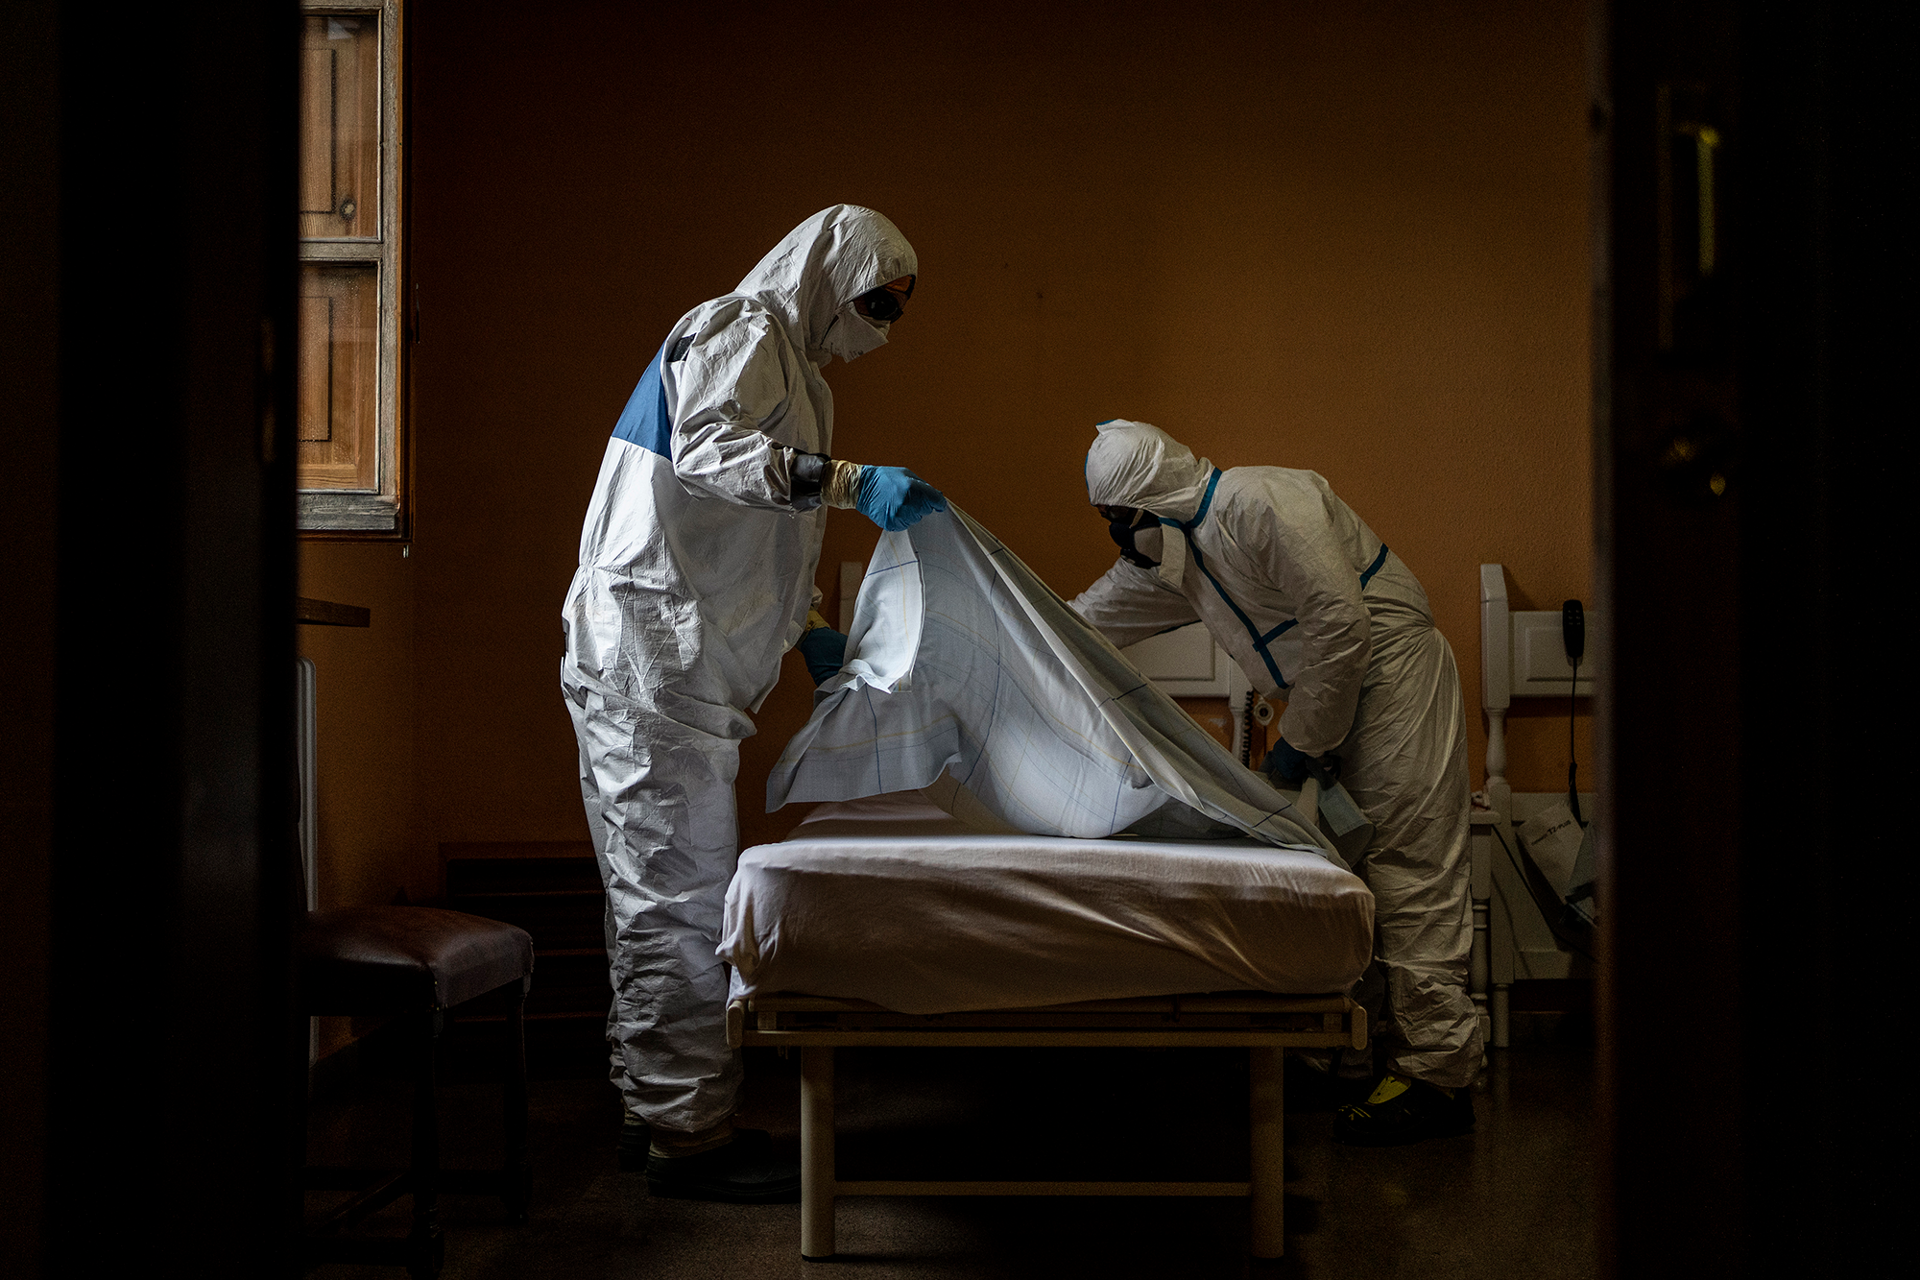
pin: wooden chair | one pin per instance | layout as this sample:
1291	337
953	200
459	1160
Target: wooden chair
417	963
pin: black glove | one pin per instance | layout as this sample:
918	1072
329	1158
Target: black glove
1286	764
824	649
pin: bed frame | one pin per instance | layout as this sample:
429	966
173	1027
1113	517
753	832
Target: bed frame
1265	1025
1521	656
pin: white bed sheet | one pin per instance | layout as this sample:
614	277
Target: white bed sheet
965	670
893	901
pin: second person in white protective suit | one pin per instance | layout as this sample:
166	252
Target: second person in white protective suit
1321	615
696	575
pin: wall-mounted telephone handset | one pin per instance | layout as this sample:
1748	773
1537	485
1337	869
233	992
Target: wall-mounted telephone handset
1573	634
1573	630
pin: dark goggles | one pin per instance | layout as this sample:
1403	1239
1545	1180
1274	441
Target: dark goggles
884	305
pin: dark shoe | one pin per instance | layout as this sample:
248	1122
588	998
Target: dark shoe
1413	1111
744	1171
636	1136
636	1141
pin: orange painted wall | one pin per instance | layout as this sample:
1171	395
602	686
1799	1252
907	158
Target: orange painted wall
1351	238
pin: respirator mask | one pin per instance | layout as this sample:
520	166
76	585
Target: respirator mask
1140	540
851	335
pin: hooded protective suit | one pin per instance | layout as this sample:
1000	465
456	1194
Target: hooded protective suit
696	574
1319	613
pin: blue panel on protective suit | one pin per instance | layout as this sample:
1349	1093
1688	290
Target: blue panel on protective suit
644	421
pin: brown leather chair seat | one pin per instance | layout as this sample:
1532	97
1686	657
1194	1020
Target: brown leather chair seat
369	960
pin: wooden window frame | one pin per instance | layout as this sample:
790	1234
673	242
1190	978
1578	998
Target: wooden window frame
381	511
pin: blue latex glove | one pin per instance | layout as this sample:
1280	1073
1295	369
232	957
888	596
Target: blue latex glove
825	650
1284	763
894	498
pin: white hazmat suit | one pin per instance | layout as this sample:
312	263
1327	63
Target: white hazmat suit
696	575
1321	615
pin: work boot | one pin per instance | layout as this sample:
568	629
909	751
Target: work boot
635	1137
1399	1111
743	1170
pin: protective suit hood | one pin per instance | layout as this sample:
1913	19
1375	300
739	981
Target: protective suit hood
821	266
1132	464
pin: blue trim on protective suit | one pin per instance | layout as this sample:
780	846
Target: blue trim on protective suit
1206	499
1259	642
1275	634
645	421
1367	575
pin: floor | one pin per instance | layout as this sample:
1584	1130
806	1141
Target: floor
1514	1199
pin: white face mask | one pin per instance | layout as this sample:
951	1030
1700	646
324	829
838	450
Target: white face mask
852	335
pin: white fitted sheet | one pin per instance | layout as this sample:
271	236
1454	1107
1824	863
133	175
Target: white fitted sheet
893	901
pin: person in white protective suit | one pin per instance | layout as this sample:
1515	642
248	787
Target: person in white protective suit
1321	615
696	575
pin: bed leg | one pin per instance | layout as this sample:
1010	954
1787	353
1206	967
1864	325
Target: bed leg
1479	968
816	1151
1267	1189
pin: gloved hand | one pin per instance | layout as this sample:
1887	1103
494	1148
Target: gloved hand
825	650
1285	763
894	498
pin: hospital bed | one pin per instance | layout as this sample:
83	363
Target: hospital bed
1521	656
885	922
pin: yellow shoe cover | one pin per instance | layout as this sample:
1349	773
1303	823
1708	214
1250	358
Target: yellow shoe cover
1400	1110
1390	1087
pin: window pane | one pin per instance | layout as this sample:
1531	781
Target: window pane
339	376
340	127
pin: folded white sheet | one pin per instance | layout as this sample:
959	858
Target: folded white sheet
891	900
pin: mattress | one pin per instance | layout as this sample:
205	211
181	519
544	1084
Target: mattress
891	900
